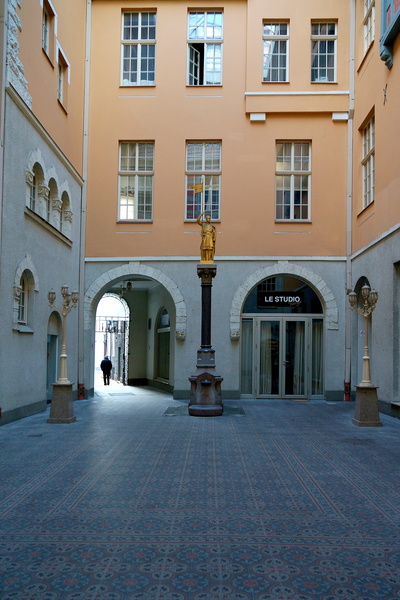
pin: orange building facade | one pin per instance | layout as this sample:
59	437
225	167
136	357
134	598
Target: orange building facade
234	110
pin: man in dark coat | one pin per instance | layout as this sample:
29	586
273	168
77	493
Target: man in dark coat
106	366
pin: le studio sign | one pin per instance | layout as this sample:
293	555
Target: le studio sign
279	299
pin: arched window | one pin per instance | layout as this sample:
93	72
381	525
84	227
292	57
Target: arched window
34	179
23	299
65	215
51	200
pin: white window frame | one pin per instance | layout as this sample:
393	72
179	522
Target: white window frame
292	178
63	76
275	50
368	162
23	300
320	54
137	50
205	45
49	27
369	23
203	179
139	181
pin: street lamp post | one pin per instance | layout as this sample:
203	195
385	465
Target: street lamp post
62	410
366	412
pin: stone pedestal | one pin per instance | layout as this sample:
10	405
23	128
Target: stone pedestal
62	404
205	391
366	413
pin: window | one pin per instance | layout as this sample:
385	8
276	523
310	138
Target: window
203	179
368	162
45	29
32	191
23	299
323	52
390	29
138	48
276	52
369	23
205	48
136	166
49	27
293	179
62	77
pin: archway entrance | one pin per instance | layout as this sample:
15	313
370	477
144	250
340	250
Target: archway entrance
282	340
112	336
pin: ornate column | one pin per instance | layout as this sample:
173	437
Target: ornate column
205	392
366	412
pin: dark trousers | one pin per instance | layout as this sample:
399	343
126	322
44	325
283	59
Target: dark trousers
106	377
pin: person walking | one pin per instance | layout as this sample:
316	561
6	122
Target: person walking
106	366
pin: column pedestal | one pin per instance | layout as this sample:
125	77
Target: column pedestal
62	404
366	413
205	391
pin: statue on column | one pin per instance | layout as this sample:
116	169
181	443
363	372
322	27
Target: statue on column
208	238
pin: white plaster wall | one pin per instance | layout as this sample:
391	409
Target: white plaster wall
378	265
24	356
230	277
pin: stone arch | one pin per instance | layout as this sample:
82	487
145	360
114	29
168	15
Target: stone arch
284	268
98	287
26	264
35	157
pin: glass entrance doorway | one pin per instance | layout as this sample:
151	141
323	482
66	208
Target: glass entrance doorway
282	354
281	358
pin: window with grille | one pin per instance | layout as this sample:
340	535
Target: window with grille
323	52
293	181
138	48
203	179
368	162
205	48
276	52
369	23
136	173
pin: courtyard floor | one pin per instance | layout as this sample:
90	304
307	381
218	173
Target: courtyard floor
274	500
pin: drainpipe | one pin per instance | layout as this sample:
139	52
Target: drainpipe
81	334
3	82
349	201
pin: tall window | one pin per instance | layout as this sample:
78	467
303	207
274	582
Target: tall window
276	52
369	23
23	298
205	48
136	172
49	17
368	162
203	179
45	29
138	48
293	181
62	77
32	186
323	52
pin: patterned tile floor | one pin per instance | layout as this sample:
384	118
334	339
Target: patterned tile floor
288	501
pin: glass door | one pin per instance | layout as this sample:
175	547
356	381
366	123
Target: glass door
281	351
269	379
294	359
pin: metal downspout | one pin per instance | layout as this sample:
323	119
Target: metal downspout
3	82
349	201
81	315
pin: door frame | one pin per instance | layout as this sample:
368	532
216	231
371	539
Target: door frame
307	319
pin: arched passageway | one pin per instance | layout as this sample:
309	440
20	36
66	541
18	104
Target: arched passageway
151	299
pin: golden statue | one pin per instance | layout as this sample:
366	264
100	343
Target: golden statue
208	237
